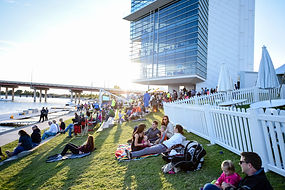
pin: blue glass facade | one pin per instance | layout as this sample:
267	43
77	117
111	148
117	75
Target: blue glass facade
171	40
138	4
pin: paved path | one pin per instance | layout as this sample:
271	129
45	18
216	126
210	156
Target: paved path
11	136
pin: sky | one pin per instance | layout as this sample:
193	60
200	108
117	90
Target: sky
86	42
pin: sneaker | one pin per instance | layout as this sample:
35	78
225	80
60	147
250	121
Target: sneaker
128	154
59	156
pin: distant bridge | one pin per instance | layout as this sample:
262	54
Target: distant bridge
72	88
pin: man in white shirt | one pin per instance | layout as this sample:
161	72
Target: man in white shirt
51	132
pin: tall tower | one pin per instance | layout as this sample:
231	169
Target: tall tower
183	42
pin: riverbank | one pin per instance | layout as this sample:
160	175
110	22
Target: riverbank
12	135
20	120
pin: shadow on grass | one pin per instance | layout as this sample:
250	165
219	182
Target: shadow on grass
41	171
143	174
118	132
38	174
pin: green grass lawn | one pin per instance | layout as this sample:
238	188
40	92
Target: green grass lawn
100	170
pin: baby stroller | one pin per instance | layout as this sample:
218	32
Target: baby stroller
188	156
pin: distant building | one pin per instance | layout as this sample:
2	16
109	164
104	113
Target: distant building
183	42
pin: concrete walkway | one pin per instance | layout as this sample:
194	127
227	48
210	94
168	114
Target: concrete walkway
11	136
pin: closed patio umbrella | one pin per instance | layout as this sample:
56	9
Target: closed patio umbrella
266	78
225	82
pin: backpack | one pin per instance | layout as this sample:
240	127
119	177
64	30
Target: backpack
188	157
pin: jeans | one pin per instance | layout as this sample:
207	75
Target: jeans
69	128
47	134
210	186
156	149
35	144
17	150
73	148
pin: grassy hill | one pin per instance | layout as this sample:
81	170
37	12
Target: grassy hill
101	170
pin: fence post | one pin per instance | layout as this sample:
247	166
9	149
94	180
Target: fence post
257	137
209	123
255	94
196	99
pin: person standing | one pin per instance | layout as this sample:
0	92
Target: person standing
42	116
46	114
146	98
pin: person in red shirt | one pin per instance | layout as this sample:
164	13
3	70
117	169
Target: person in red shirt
87	147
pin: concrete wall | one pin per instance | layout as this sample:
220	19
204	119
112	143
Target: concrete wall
230	39
247	79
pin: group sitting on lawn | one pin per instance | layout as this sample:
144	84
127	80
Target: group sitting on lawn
250	162
26	142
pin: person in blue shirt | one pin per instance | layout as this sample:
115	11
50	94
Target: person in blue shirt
25	143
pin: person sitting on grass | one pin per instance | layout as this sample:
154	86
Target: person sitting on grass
169	127
139	140
61	126
162	135
36	136
70	127
86	148
176	139
153	132
255	179
228	176
51	132
25	143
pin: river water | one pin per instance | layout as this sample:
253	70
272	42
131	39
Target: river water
25	103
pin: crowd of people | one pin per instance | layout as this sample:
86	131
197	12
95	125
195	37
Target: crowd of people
145	143
159	138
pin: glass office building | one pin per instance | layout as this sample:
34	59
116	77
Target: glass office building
184	42
169	40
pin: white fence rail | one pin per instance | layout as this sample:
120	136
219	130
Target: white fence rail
237	130
251	94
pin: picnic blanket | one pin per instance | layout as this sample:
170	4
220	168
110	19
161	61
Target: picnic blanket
120	153
55	158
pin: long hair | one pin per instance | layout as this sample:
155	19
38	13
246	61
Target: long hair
140	128
163	122
90	143
22	133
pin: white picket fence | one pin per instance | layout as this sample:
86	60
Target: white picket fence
236	130
251	94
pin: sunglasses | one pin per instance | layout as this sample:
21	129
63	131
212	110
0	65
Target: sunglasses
240	162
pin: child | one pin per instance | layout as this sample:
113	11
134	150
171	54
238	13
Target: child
229	175
121	120
163	135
